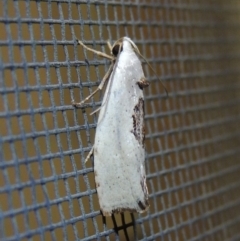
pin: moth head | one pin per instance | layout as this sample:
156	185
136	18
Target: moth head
126	43
117	48
122	44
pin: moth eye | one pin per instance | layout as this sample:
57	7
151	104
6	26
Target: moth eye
115	49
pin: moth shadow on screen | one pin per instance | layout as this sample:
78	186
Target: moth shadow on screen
123	224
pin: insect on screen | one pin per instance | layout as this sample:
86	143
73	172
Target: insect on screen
47	191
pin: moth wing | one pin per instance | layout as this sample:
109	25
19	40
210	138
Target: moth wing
119	153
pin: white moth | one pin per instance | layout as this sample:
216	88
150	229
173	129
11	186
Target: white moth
118	149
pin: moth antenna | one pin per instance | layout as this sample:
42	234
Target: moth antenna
138	52
109	45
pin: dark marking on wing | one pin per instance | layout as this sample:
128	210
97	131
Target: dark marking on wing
138	122
143	206
97	183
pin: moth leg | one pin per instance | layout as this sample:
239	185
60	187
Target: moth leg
89	154
106	76
95	51
143	83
